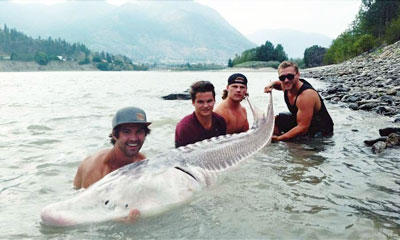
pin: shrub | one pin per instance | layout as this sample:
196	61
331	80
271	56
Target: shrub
364	43
392	33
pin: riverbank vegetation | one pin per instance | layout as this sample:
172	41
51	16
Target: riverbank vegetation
265	53
258	64
16	46
377	24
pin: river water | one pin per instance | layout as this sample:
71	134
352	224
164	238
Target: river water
323	189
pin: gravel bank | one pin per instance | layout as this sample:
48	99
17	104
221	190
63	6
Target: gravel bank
369	82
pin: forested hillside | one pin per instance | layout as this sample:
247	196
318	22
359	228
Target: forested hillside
16	46
377	24
161	32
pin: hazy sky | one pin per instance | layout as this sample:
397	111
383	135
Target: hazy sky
329	17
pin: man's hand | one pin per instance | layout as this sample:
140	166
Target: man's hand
273	85
132	216
275	138
269	88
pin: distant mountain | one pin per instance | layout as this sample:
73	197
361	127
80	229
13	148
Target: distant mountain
153	31
294	42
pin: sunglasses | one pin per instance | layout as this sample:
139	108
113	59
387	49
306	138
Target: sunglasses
288	76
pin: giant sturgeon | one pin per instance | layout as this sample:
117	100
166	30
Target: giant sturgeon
165	181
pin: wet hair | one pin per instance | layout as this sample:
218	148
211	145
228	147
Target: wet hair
117	129
286	64
224	94
201	87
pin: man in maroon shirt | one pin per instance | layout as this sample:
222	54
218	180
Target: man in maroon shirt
203	123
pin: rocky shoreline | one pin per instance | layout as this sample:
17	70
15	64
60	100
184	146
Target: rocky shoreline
369	82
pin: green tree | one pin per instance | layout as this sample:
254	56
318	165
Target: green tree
103	66
279	54
265	52
376	22
364	43
230	63
392	33
376	15
41	58
341	48
314	56
96	58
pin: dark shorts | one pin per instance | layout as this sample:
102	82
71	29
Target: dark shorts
286	121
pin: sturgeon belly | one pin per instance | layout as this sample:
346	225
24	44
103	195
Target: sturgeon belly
151	194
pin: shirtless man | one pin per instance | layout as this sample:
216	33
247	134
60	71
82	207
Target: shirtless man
203	123
129	130
233	112
308	115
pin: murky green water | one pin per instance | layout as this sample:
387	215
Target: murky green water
324	189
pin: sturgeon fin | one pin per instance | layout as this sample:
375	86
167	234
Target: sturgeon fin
222	152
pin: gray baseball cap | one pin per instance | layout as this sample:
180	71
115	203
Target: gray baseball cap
129	115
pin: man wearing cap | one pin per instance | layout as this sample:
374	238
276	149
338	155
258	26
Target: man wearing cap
129	130
308	115
203	123
230	108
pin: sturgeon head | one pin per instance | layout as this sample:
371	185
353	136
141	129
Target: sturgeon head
153	186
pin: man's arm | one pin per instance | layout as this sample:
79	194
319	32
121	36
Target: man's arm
273	85
305	103
221	110
78	178
246	124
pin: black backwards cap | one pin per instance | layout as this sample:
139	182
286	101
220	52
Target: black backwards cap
237	78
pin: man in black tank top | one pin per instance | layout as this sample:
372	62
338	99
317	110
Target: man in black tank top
308	115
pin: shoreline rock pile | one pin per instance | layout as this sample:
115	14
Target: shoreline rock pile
369	82
390	137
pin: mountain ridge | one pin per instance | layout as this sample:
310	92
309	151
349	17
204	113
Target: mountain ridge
145	31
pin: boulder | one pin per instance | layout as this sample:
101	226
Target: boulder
373	141
177	96
391	92
378	147
389	130
393	140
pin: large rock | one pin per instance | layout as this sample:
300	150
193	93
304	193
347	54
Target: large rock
393	140
177	96
378	147
389	130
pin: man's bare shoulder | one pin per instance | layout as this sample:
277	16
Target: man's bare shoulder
94	162
91	169
96	157
243	109
307	96
222	109
141	156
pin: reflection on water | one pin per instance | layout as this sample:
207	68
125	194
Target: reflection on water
328	188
